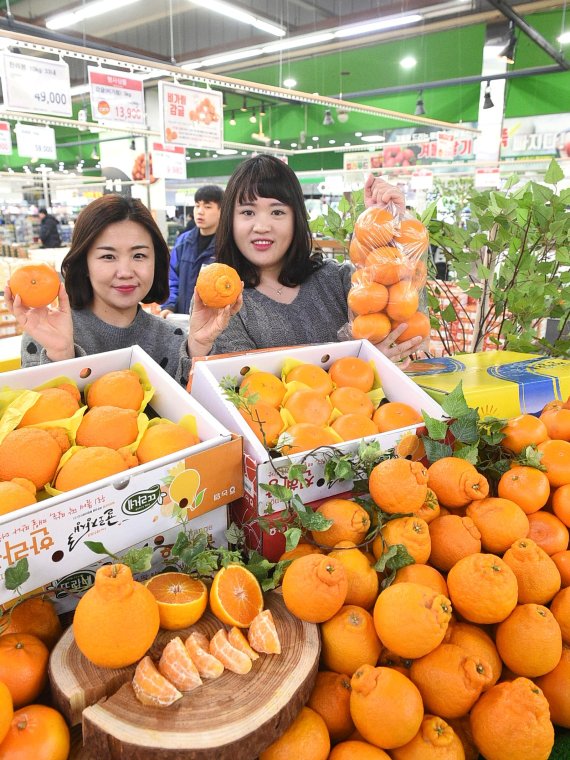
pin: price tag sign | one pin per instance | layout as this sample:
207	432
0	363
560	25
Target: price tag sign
169	161
5	139
191	116
35	142
422	179
36	85
116	98
490	177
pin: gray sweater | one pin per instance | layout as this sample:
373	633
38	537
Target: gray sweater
164	341
315	316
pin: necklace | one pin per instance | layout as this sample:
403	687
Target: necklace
279	291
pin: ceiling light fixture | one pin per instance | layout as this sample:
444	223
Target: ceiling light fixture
373	138
408	62
62	20
420	110
231	11
328	119
487	102
217	60
289	82
295	42
243	108
507	54
253	117
376	26
564	38
233	119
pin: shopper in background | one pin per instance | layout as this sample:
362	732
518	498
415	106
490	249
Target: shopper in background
190	223
49	232
117	259
193	250
291	295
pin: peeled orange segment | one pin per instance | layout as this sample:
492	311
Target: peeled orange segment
177	666
231	658
208	666
181	599
152	688
239	641
262	634
235	596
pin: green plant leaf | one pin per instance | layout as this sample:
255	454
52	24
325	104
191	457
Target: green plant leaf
531	457
292	538
554	173
466	427
235	535
469	453
454	403
449	313
279	492
98	548
436	429
297	472
17	574
139	560
436	450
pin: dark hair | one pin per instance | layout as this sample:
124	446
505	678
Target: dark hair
99	214
209	194
267	177
42	211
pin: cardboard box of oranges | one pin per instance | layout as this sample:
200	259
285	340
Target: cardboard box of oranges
131	506
259	467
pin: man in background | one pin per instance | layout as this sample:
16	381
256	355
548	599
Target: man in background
192	250
49	233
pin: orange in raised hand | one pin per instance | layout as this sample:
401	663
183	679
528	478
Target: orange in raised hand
36	284
218	285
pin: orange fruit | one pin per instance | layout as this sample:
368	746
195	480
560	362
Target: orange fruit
52	404
116	620
231	658
263	386
367	299
349	639
87	465
526	486
176	666
557	423
163	439
304	436
330	698
546	530
412	236
353	748
36	284
450	680
560	608
7	709
554	686
23	666
108	426
300	551
15	459
314	587
151	687
361	576
403	301
119	388
538	577
386	264
265	421
38	732
482	588
430	509
510	718
522	431
556	459
351	401
395	415
351	426
529	641
500	522
474	640
181	599
198	647
351	522
418	325
372	327
262	634
410	446
398	485
411	619
235	596
356	252
456	482
452	537
307	737
411	532
352	371
562	562
308	406
374	227
218	285
561	504
239	641
15	494
435	739
385	692
35	615
309	374
425	575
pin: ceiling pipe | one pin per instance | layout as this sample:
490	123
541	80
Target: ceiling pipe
531	32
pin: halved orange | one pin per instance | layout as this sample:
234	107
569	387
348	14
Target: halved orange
236	596
151	687
181	599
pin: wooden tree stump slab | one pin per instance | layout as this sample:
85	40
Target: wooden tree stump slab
233	717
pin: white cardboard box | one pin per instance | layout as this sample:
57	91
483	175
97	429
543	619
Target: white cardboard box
259	468
121	510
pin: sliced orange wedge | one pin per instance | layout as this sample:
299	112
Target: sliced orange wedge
152	688
181	599
235	596
262	634
239	641
228	655
198	648
177	666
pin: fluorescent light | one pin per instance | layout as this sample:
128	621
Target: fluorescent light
227	9
290	82
237	55
564	38
71	18
408	62
379	24
372	138
295	42
227	151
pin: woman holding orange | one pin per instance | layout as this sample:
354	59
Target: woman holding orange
118	259
291	295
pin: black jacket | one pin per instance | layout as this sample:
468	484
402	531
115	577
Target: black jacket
49	234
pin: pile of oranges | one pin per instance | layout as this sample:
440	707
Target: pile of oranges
467	651
310	407
389	256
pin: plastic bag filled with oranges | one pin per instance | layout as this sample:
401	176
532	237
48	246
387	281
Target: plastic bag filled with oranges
390	253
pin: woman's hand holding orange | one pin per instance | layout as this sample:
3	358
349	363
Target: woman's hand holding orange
378	192
398	352
207	323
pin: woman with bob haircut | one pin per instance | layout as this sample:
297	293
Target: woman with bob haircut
291	295
118	259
